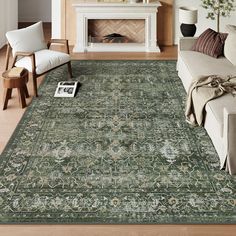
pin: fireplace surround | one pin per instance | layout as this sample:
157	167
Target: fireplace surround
116	11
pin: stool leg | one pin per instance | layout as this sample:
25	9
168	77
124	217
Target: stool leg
21	94
26	91
10	93
6	97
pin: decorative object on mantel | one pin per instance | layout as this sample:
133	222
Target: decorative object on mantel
188	19
218	8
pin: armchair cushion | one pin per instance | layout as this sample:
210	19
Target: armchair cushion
29	39
45	60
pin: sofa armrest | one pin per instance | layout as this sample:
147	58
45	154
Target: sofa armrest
229	139
186	43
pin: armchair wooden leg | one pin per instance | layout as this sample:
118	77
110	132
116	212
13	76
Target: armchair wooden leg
69	70
35	86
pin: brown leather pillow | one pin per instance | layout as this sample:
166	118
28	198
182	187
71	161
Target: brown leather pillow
210	43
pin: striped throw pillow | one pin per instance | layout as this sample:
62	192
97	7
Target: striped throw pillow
210	43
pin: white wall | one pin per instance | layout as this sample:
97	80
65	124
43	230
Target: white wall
8	18
34	10
203	23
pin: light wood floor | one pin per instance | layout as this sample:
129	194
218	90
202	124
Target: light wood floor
9	120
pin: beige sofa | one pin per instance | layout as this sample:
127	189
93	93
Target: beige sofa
220	122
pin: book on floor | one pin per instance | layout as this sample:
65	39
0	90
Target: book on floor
66	89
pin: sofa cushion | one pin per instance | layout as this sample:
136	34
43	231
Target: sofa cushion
29	39
45	60
230	44
210	43
202	65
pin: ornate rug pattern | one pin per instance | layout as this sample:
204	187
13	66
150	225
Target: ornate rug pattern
119	152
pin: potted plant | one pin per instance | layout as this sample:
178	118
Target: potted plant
218	8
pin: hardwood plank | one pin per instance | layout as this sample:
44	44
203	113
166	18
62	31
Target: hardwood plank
168	53
118	230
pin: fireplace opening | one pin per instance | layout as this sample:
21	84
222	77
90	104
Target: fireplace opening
116	31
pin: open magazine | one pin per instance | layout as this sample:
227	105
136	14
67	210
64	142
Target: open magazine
66	89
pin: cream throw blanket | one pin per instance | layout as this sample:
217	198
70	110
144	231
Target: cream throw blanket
202	91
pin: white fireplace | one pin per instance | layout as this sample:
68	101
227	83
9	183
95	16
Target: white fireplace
116	11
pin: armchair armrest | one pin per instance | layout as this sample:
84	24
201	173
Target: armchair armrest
26	54
59	41
186	43
229	139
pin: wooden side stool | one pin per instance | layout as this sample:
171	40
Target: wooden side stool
18	82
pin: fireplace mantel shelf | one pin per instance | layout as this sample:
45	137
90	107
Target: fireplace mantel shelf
116	11
110	4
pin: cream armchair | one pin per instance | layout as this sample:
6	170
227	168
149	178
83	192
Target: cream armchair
31	52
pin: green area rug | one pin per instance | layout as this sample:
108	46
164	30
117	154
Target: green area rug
120	152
